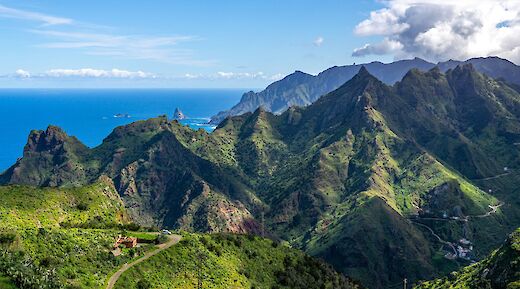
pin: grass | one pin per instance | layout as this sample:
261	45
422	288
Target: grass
143	235
81	258
5	283
93	205
65	234
231	261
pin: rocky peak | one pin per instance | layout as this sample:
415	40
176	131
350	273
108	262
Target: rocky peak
363	81
364	76
258	116
464	78
49	140
436	70
290	81
178	114
464	69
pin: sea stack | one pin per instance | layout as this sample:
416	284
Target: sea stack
178	114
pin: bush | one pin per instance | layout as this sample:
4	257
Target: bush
42	232
143	284
161	239
7	238
131	227
47	261
82	206
275	244
25	274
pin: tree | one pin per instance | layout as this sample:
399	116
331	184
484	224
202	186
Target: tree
143	284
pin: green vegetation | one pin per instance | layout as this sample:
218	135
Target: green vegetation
62	238
70	258
94	206
500	270
378	180
47	238
232	261
5	283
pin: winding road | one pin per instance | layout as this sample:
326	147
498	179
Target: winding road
174	239
438	237
493	211
493	177
493	208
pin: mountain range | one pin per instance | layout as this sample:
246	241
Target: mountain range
383	182
301	89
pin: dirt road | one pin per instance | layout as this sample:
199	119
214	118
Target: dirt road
174	239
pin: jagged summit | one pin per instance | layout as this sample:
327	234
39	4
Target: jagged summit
363	72
465	68
40	140
435	70
178	114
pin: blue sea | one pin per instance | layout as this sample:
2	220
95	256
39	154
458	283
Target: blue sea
91	114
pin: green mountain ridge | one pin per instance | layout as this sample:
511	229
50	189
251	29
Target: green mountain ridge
285	93
361	178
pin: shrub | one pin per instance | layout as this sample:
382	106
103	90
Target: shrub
143	284
7	238
161	239
47	261
82	206
131	227
275	244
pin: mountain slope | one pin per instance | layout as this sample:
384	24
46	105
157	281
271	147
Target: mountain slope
500	270
381	181
233	261
285	93
301	89
96	205
60	237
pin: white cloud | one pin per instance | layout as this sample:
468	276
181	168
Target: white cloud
192	76
33	16
234	76
318	41
91	73
157	48
86	73
444	29
22	73
387	46
240	75
98	73
247	75
381	22
92	39
277	76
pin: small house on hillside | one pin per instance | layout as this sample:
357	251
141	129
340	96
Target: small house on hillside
128	242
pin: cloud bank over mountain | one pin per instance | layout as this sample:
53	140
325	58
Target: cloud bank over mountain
442	30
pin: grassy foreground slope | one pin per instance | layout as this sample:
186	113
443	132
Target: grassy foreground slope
500	270
232	261
62	238
96	205
59	237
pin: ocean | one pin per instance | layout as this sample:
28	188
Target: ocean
91	114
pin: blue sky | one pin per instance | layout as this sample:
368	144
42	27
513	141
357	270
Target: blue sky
176	43
237	44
